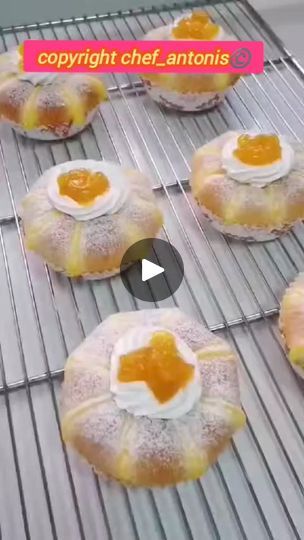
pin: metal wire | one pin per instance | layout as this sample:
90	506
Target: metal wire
193	254
256	489
187	239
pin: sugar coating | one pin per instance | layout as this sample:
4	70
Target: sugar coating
149	443
227	203
94	246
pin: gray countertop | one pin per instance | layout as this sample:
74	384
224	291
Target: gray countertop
286	18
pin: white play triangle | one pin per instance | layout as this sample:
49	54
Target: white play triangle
150	270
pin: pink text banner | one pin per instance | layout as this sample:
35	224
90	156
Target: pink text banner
143	56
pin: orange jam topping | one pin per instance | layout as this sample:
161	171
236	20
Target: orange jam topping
258	150
83	186
197	26
159	365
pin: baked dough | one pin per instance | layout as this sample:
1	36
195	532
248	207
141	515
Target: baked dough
143	451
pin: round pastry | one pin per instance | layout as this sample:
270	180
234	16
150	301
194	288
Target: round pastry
46	106
185	91
151	398
82	216
291	323
250	186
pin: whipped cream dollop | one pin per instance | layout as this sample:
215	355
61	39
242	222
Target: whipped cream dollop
257	175
220	36
108	203
10	62
136	397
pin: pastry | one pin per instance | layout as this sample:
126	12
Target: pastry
82	216
151	398
186	91
292	323
250	185
46	105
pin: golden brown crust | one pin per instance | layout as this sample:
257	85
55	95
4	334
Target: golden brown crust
59	108
271	209
187	83
139	451
291	321
92	249
13	97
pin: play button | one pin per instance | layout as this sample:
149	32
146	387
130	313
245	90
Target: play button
152	270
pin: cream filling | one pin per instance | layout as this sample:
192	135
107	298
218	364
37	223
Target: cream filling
108	203
256	175
136	397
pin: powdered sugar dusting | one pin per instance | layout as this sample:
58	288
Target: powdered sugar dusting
102	241
50	94
157	440
151	444
49	235
94	382
208	426
50	97
16	94
247	211
103	426
220	379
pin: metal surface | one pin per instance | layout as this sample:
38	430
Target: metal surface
256	489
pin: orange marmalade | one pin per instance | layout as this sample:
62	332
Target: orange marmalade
159	365
197	26
83	186
258	150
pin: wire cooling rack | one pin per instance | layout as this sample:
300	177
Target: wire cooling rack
255	491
